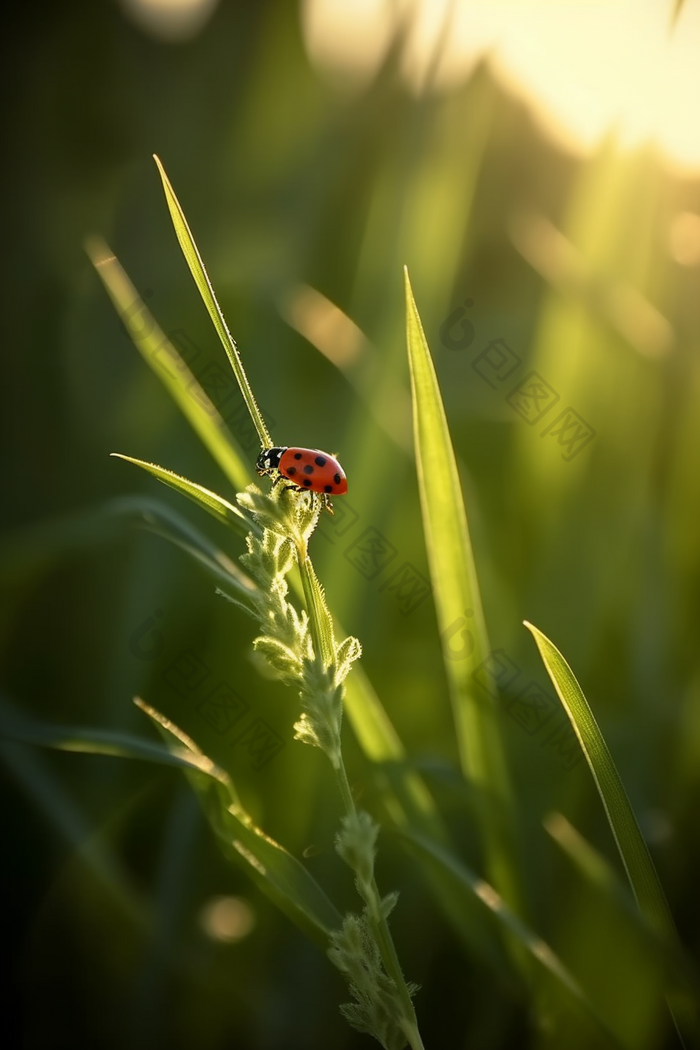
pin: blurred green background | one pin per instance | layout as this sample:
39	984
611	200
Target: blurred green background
314	158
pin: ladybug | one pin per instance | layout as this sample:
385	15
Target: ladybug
307	470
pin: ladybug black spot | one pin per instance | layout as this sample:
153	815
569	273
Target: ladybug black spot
308	469
336	479
320	461
328	488
306	481
291	471
297	455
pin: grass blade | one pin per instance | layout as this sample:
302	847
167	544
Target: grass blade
456	591
155	348
201	278
91	741
632	848
161	520
475	890
600	874
32	549
215	505
225	572
278	873
623	823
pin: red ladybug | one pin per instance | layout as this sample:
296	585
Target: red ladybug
308	470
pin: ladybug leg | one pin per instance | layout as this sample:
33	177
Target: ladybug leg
327	503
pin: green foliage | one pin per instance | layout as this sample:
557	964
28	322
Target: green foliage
623	823
456	589
307	199
300	647
279	874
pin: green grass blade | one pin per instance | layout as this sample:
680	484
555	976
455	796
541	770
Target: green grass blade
214	504
32	549
278	873
217	564
475	890
456	590
90	741
201	278
600	874
623	823
163	521
155	348
632	848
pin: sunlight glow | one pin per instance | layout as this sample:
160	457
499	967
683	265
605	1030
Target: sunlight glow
624	307
684	239
584	67
227	919
170	20
324	325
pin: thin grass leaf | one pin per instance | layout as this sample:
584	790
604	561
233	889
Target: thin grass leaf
223	571
32	549
201	278
215	505
91	741
493	907
165	522
456	590
599	873
632	848
278	873
162	357
623	823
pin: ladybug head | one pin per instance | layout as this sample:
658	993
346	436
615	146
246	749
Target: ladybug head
269	458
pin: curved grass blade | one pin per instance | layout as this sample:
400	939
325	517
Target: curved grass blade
623	823
599	873
201	278
158	352
171	526
214	504
277	872
32	549
473	889
91	741
225	572
632	848
456	590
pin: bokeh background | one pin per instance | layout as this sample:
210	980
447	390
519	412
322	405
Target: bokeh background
537	167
